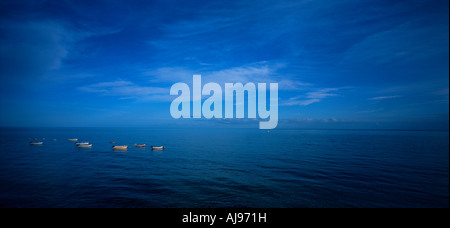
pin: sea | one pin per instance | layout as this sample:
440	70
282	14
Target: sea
224	168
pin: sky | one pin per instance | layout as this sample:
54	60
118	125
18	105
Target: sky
348	64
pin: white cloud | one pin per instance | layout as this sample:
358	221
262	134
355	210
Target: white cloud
322	93
127	90
259	72
169	74
311	97
295	102
383	98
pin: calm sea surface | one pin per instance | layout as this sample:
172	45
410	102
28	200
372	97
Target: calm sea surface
224	168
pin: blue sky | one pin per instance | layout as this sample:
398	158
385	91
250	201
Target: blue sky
340	64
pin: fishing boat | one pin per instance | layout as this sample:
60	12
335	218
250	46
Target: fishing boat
72	140
85	146
36	143
141	145
157	147
120	147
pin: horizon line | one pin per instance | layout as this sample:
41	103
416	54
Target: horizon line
199	128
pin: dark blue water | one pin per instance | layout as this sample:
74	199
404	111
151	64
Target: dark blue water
224	168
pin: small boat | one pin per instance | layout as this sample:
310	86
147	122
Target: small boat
81	143
112	142
72	140
53	140
36	143
157	147
141	145
85	146
120	147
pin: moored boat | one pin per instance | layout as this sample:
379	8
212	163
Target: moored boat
120	147
72	140
81	143
157	147
36	143
85	145
141	145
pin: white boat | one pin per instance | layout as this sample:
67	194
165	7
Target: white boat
72	140
36	143
85	145
81	143
157	147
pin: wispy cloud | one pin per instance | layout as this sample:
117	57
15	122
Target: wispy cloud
36	49
371	111
322	93
384	98
161	79
311	97
32	49
311	120
258	72
127	90
294	101
404	43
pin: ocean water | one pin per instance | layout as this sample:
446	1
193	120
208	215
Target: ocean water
224	168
